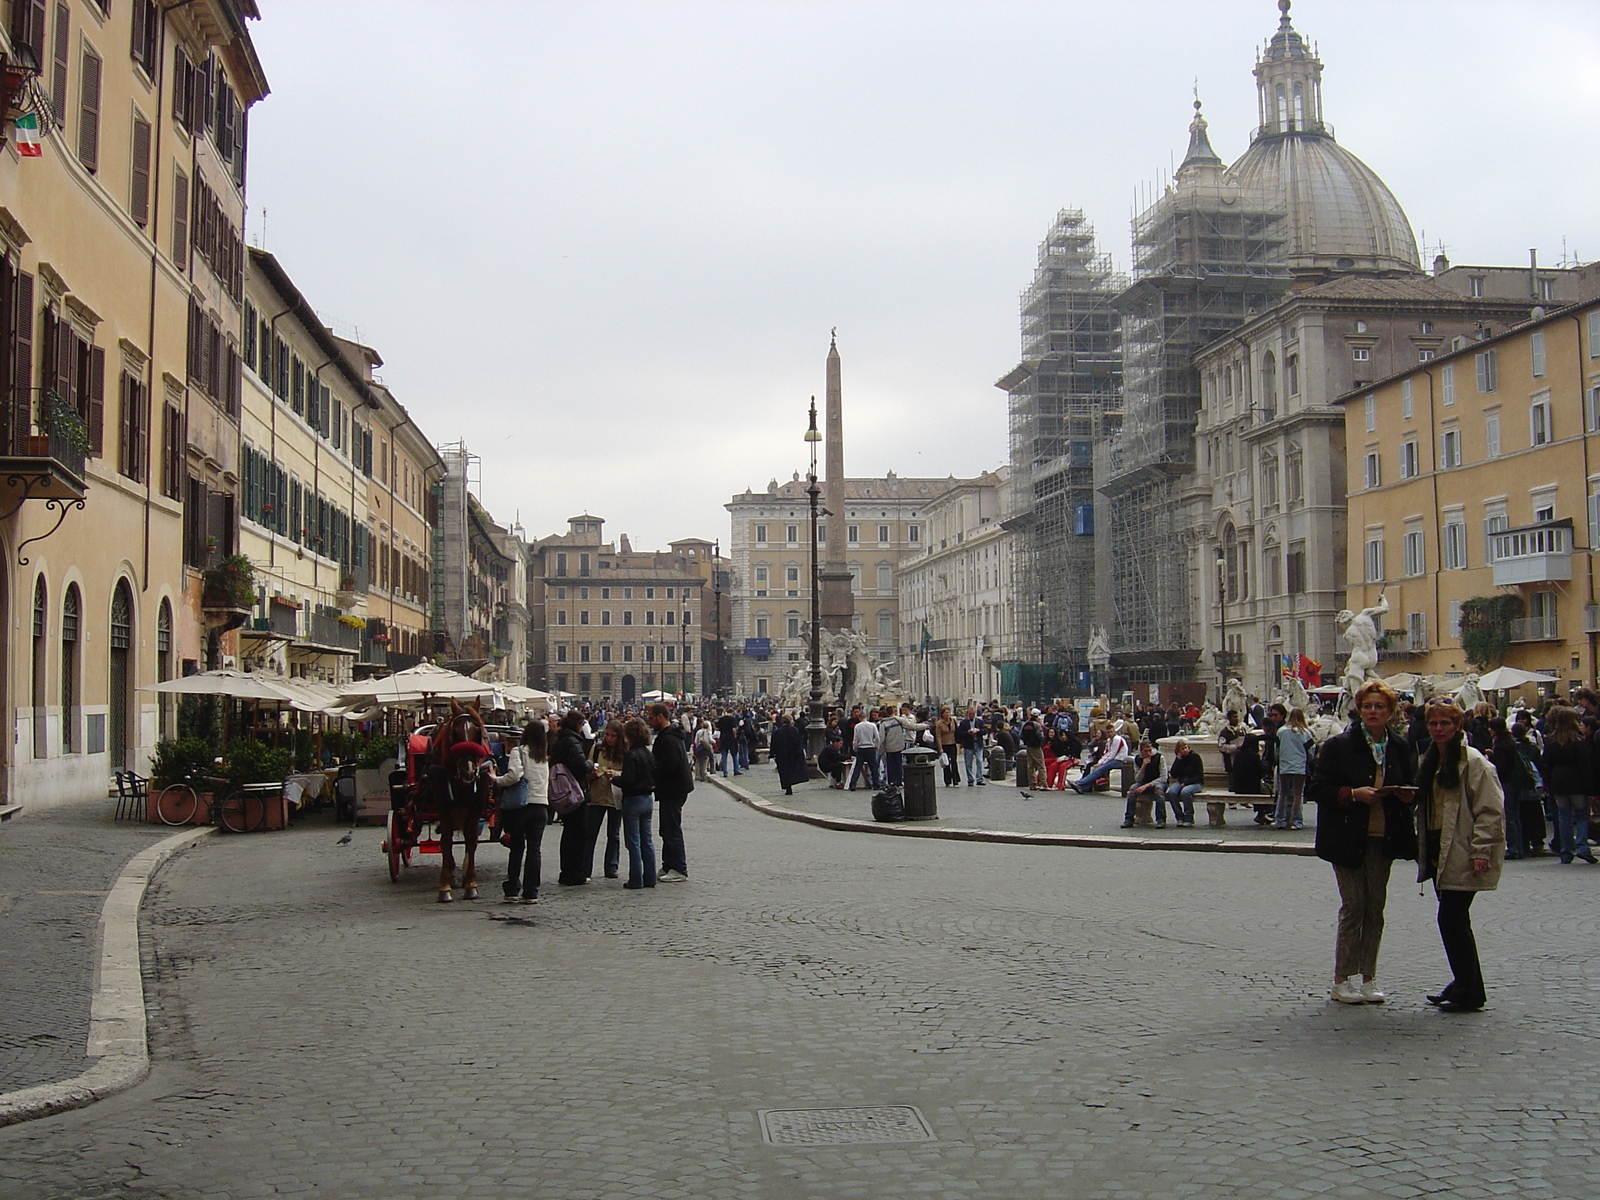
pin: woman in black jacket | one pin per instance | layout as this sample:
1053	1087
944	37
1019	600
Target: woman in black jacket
1569	775
1362	789
638	784
578	827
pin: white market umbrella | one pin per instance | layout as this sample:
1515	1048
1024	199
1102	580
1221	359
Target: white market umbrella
1502	678
235	684
518	696
655	696
416	685
1403	682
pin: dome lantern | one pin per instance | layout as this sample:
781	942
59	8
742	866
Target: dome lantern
1288	83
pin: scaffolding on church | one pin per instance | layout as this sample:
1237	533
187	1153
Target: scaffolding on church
1206	255
1058	400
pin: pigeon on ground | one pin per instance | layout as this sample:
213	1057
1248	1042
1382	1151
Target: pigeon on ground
1025	795
345	840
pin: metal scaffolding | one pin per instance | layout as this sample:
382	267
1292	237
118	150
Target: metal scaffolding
1058	398
1206	255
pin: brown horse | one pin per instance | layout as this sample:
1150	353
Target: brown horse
460	794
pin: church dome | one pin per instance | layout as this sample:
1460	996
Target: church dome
1340	215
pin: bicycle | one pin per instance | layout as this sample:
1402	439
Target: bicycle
235	806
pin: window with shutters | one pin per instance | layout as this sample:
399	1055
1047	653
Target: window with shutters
146	28
89	111
1374	470
71	682
60	61
173	440
180	219
139	171
1491	434
1295	568
1536	352
1594	521
28	26
1370	411
1373	558
1406	399
1450	449
1453	543
133	444
1408	460
16	356
1447	383
1540	430
1416	631
1488	369
1413	546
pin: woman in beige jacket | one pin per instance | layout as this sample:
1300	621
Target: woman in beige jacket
1461	843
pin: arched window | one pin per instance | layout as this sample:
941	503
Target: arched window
1269	386
164	663
41	623
119	676
1231	563
71	669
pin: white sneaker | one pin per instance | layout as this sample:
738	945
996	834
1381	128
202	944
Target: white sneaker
672	877
1371	993
1348	992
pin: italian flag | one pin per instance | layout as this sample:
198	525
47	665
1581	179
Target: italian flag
28	145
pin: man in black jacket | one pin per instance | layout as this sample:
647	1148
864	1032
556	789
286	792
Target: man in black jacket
674	782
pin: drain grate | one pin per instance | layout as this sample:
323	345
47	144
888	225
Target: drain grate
844	1126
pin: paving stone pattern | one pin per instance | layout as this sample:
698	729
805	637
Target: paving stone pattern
1069	1022
55	870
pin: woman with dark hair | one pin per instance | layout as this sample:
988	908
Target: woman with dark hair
606	754
1569	776
1461	818
1516	780
524	811
579	826
789	753
1362	792
638	784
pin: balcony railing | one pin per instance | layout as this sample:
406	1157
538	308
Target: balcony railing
1532	553
1540	628
1402	645
329	632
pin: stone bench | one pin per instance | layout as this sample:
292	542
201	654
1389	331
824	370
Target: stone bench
1216	806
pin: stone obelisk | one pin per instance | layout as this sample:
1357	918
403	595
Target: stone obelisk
838	602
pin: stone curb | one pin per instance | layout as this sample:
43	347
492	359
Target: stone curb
957	833
116	1011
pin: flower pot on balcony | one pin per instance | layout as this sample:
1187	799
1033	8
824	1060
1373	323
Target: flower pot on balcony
34	445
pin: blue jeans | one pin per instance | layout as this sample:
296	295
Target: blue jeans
744	755
1572	824
1101	770
1182	797
866	758
972	760
734	753
636	837
1290	790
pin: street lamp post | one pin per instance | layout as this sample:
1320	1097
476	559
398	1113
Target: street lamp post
816	721
713	683
1042	696
1222	611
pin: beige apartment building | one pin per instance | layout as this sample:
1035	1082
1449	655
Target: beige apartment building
958	620
884	522
1474	491
120	316
611	623
335	486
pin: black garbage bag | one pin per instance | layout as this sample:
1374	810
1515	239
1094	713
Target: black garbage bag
888	805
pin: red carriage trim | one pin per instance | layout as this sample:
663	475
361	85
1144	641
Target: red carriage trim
469	750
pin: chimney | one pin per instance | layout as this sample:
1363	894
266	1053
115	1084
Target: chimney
1533	274
1441	264
623	545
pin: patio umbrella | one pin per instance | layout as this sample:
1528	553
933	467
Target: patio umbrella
416	685
1403	682
1502	678
235	684
518	696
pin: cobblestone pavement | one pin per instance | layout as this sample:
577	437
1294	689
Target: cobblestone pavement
1069	1022
1002	806
55	870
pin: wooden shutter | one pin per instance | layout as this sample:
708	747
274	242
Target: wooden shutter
124	423
139	200
180	87
21	398
60	54
180	219
89	112
95	391
27	26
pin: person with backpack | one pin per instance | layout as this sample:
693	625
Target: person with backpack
674	780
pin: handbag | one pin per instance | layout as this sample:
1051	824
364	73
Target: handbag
565	792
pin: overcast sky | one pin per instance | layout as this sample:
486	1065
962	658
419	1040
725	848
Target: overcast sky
604	243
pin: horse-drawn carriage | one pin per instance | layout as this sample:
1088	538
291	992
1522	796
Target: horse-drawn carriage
444	792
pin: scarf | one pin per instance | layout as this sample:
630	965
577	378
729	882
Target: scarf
1447	770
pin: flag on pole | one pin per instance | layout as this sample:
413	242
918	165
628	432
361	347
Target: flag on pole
926	639
28	144
1310	671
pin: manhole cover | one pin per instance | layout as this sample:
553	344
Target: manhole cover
844	1126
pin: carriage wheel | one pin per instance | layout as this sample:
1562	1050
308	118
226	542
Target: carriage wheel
391	843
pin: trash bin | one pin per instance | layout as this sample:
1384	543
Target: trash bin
997	763
921	798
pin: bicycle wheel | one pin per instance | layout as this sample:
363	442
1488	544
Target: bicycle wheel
176	805
241	812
